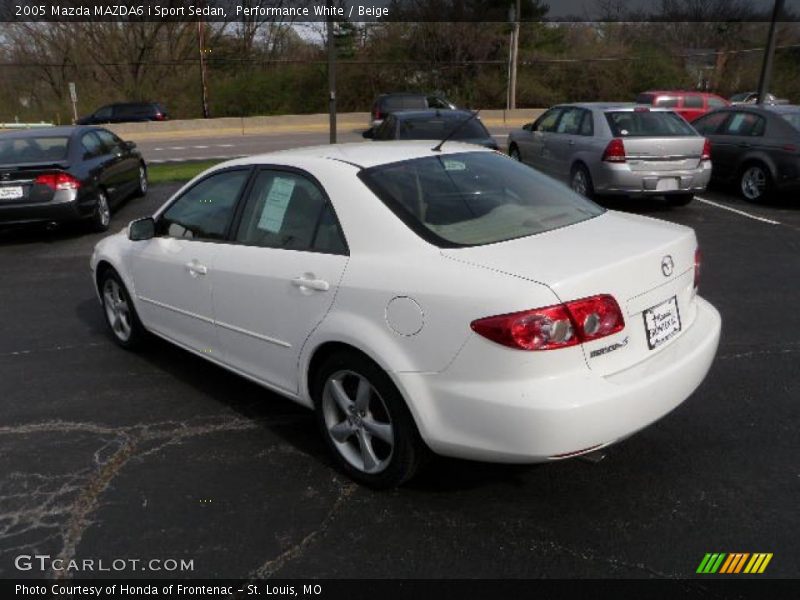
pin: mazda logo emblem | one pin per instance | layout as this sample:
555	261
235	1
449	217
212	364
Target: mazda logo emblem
667	265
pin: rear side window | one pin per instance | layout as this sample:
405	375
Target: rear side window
404	103
587	124
103	113
793	119
745	124
92	146
204	211
648	124
570	121
716	102
667	102
475	198
286	210
693	101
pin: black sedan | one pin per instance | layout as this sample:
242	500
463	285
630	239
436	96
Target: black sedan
757	147
460	125
65	174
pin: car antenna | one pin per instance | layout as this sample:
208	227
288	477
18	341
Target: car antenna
438	147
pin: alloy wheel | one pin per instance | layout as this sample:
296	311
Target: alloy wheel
754	182
142	180
118	313
579	183
103	211
358	421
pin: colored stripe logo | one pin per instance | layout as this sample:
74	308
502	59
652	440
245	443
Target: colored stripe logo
734	563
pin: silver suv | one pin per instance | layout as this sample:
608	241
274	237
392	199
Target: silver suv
617	149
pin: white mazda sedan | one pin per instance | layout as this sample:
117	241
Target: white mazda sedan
452	300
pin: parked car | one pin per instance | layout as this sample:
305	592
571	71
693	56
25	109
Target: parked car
432	125
757	147
454	300
689	105
616	149
389	103
752	98
65	174
127	112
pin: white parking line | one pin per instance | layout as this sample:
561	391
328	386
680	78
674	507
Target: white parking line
737	211
199	146
224	145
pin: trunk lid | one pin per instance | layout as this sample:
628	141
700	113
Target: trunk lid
614	253
17	181
663	154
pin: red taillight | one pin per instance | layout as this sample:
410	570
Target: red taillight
58	181
706	155
158	117
698	259
552	327
615	151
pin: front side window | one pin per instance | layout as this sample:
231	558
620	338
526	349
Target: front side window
103	113
648	123
205	210
287	210
475	198
693	101
710	124
587	124
112	142
716	102
793	119
548	120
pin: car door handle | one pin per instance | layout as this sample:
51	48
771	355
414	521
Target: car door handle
314	284
195	268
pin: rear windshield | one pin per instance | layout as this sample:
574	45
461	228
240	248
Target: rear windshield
438	129
648	124
391	103
32	149
793	118
475	198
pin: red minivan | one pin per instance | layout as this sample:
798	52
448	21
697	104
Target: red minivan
689	105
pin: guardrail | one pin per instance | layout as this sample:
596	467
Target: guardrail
16	125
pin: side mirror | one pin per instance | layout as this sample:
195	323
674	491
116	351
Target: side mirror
128	145
369	134
142	229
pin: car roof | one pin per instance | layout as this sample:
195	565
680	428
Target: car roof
680	92
64	130
432	112
760	108
614	106
360	154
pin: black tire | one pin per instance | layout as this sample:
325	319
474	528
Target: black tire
101	216
680	199
143	185
384	410
128	330
755	182
580	180
513	152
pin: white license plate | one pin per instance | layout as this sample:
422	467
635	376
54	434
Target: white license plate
667	184
10	192
662	322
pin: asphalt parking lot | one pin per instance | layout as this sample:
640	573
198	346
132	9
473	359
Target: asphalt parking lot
106	454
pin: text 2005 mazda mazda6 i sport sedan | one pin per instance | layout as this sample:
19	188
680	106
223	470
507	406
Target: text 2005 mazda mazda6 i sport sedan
454	300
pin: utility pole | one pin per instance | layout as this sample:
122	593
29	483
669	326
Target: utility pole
203	76
331	75
512	84
769	54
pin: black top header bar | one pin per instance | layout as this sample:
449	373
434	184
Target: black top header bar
486	11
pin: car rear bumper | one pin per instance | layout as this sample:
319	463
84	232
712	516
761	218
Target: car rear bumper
547	418
620	179
64	207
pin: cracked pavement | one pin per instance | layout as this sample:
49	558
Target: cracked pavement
106	454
